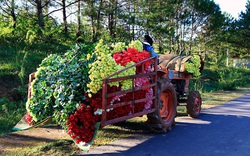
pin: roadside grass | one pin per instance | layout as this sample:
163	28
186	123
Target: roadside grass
8	62
19	64
11	112
18	61
216	98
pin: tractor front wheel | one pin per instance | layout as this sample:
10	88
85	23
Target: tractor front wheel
194	104
164	117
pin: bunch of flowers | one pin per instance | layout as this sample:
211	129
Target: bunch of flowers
148	92
131	54
81	124
193	66
118	47
149	103
99	70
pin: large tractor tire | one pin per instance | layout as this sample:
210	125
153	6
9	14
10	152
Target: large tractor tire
194	102
163	118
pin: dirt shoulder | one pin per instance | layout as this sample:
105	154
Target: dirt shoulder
21	141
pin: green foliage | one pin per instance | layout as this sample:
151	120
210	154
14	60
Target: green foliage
26	29
30	36
238	33
22	72
5	28
59	84
8	63
194	65
126	21
221	79
231	78
11	113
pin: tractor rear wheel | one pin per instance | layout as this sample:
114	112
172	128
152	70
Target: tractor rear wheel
194	102
164	116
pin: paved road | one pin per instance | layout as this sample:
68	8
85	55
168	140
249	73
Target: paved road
220	131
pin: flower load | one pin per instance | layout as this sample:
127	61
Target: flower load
68	87
194	65
189	64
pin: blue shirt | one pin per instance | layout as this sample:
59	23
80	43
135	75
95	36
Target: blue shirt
149	48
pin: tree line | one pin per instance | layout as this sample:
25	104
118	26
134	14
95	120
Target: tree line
181	27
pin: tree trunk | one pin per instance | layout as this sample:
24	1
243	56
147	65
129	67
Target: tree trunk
78	33
65	17
192	31
40	13
13	15
98	26
112	16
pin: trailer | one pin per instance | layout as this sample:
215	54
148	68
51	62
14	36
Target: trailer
170	89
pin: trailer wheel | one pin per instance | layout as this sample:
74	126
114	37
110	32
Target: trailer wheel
164	117
194	102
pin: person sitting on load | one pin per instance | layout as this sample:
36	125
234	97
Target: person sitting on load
147	45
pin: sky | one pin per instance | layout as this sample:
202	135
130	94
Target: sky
233	7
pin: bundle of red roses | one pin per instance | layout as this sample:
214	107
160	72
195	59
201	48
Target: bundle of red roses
133	55
81	124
